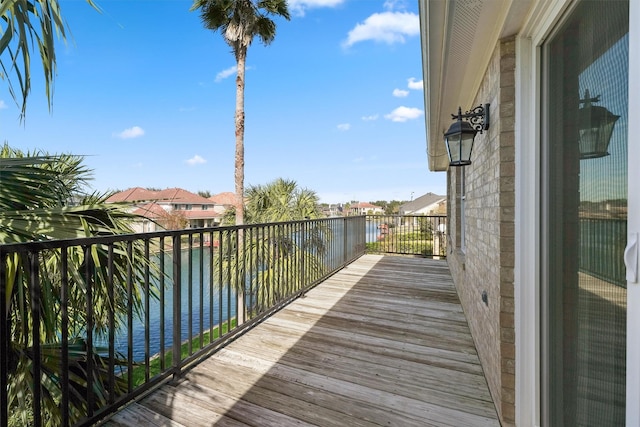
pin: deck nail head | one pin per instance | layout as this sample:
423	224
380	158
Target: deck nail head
485	298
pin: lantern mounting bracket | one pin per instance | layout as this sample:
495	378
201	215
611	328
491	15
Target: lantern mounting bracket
478	117
588	99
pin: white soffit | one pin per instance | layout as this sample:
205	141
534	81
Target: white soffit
458	41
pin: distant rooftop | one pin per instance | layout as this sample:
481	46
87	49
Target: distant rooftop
172	195
226	198
422	201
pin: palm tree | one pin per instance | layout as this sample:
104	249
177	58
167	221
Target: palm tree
240	21
26	23
37	189
273	254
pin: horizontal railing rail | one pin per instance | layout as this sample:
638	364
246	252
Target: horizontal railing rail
407	234
91	324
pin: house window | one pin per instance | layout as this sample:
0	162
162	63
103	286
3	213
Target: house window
584	210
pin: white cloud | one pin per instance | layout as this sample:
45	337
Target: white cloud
299	7
344	126
395	5
392	4
196	160
399	93
370	118
387	27
226	73
133	132
402	114
3	105
414	84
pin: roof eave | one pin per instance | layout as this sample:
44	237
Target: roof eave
458	39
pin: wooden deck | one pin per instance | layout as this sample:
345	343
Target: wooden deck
384	342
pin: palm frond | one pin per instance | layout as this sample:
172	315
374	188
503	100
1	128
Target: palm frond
24	24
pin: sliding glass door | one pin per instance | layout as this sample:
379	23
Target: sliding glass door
584	205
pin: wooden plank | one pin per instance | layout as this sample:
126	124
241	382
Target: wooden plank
392	335
235	383
357	344
354	314
140	416
387	357
402	326
408	379
187	410
206	406
336	410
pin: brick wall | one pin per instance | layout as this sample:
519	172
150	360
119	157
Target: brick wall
487	261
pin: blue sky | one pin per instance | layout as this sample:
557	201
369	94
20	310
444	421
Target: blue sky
148	95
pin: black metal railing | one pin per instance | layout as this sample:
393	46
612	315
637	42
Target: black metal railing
91	324
602	243
407	234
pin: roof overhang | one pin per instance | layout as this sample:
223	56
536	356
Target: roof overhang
458	38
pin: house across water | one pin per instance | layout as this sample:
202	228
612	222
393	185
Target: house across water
173	208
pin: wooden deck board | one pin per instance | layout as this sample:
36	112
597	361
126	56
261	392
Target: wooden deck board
382	342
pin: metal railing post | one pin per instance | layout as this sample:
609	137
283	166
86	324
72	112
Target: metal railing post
303	256
176	361
34	283
345	241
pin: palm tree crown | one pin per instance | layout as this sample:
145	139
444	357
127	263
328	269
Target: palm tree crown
281	200
240	21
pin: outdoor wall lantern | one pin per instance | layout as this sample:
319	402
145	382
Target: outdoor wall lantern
595	126
459	138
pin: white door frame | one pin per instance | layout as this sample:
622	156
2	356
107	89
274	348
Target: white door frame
527	277
633	221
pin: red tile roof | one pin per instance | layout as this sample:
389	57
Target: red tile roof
226	198
150	210
171	195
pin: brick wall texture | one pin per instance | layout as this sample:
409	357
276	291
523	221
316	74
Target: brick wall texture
484	262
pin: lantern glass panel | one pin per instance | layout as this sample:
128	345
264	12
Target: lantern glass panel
596	127
459	140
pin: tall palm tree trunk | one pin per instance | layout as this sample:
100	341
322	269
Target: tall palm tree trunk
239	160
241	56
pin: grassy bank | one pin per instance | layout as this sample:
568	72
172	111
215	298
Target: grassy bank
155	365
